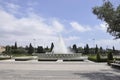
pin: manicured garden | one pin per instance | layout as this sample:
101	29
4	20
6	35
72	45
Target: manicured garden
109	58
96	59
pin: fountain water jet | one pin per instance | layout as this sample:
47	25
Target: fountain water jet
60	47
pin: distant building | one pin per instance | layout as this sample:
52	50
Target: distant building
2	49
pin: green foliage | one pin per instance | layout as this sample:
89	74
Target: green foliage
86	49
75	48
18	51
110	56
15	46
46	49
97	58
40	49
114	51
111	15
96	49
30	49
80	50
4	58
11	51
101	50
7	49
52	46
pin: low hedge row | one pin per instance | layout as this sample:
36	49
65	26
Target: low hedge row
4	58
94	58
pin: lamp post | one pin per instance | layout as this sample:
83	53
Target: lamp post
93	45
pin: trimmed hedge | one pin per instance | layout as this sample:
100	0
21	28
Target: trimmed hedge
94	58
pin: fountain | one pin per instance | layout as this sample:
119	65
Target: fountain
60	47
59	53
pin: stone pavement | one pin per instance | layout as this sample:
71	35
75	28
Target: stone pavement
34	70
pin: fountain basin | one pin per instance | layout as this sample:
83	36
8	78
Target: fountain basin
58	56
23	58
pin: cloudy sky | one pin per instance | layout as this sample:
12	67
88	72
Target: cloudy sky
41	21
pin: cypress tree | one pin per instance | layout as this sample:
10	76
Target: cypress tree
114	50
86	49
15	46
52	46
96	49
75	48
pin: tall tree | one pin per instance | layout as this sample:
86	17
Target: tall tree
15	46
75	48
52	46
86	49
30	49
47	49
111	15
8	49
96	49
114	51
101	50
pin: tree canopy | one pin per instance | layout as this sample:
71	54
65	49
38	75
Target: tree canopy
111	15
30	49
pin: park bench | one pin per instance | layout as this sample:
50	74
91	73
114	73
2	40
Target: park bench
116	64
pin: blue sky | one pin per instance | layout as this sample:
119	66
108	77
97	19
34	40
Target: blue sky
41	21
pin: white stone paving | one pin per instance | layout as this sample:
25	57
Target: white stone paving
34	70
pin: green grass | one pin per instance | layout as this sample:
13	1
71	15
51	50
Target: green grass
94	58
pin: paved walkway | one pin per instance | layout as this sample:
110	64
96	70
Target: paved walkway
34	70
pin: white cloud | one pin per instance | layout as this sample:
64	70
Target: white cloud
79	27
25	29
57	26
74	40
13	8
103	27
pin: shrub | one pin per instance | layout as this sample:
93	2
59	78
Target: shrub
110	58
98	57
18	51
